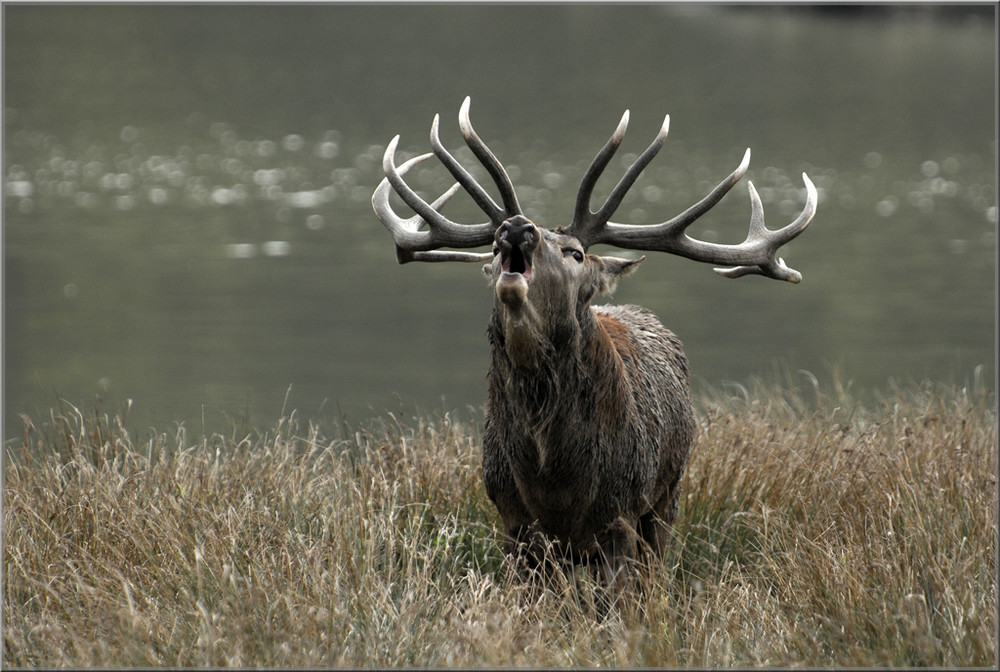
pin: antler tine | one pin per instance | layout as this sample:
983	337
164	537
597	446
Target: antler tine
632	174
414	224
397	226
489	161
394	176
587	226
458	171
582	216
688	217
775	266
412	243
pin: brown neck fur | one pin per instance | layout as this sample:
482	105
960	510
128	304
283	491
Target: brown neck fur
579	371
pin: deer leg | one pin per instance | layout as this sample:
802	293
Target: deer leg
654	526
618	545
523	543
652	531
532	555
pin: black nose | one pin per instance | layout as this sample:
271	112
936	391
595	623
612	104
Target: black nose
517	232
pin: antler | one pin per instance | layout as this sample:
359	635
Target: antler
755	255
413	241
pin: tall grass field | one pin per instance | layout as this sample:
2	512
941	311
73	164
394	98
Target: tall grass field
813	530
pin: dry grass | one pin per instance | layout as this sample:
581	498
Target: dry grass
817	533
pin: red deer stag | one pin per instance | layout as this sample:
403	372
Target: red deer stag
589	417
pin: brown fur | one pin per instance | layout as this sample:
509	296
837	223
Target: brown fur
586	439
612	355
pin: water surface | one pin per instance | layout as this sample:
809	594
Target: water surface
186	194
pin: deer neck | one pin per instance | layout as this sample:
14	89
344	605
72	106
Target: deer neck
576	364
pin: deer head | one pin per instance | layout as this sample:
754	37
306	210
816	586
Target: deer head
539	274
543	281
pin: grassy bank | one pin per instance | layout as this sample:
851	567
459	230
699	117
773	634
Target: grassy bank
811	530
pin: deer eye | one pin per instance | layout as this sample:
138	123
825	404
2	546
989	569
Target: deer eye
576	254
496	250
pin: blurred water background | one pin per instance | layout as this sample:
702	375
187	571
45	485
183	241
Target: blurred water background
187	224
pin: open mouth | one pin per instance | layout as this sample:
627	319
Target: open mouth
515	261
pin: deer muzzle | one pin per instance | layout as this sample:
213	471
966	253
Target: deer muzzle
516	239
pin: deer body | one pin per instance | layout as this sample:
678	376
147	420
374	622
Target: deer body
589	417
594	439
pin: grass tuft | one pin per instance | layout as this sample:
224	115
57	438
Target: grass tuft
816	532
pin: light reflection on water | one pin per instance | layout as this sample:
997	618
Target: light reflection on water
205	268
216	178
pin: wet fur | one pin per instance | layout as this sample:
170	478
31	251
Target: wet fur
585	445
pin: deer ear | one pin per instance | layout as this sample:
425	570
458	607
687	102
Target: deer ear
613	268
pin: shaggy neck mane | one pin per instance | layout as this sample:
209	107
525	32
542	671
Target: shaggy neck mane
578	373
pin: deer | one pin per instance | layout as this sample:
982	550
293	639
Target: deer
589	415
